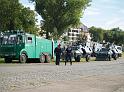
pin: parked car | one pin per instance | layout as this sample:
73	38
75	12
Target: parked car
80	51
117	49
96	47
114	53
104	54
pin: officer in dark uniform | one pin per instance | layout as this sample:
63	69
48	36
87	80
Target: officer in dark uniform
58	52
68	55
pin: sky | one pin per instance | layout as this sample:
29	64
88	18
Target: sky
105	14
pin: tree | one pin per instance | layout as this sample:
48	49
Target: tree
8	14
58	15
13	16
108	36
27	18
97	33
117	36
114	35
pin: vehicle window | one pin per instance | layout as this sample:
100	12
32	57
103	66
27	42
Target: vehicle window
75	48
119	48
9	39
5	40
104	49
29	39
20	39
12	40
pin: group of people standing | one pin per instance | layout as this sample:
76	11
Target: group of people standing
68	54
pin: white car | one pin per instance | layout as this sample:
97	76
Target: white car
117	49
81	52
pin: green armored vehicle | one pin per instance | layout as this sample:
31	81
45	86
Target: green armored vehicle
22	46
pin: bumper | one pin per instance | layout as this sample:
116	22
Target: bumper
7	55
102	57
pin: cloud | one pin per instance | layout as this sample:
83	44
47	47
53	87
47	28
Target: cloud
113	21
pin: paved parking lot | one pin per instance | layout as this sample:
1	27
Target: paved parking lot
96	76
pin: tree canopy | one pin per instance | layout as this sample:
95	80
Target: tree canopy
114	35
14	16
58	15
97	34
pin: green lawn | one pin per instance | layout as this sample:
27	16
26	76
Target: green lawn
91	59
123	54
82	60
53	61
1	60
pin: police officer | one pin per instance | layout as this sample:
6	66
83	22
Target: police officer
68	55
58	51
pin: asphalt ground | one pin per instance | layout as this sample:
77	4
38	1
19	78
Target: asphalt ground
94	76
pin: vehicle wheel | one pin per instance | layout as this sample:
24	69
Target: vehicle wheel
109	58
78	58
8	60
23	58
75	58
87	58
47	58
42	58
115	57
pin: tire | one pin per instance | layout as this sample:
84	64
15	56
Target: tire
23	58
87	58
78	58
42	58
8	60
109	58
47	58
115	57
75	58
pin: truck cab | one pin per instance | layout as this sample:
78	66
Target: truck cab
11	44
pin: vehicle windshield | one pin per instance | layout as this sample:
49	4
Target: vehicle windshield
120	48
104	50
11	39
75	47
